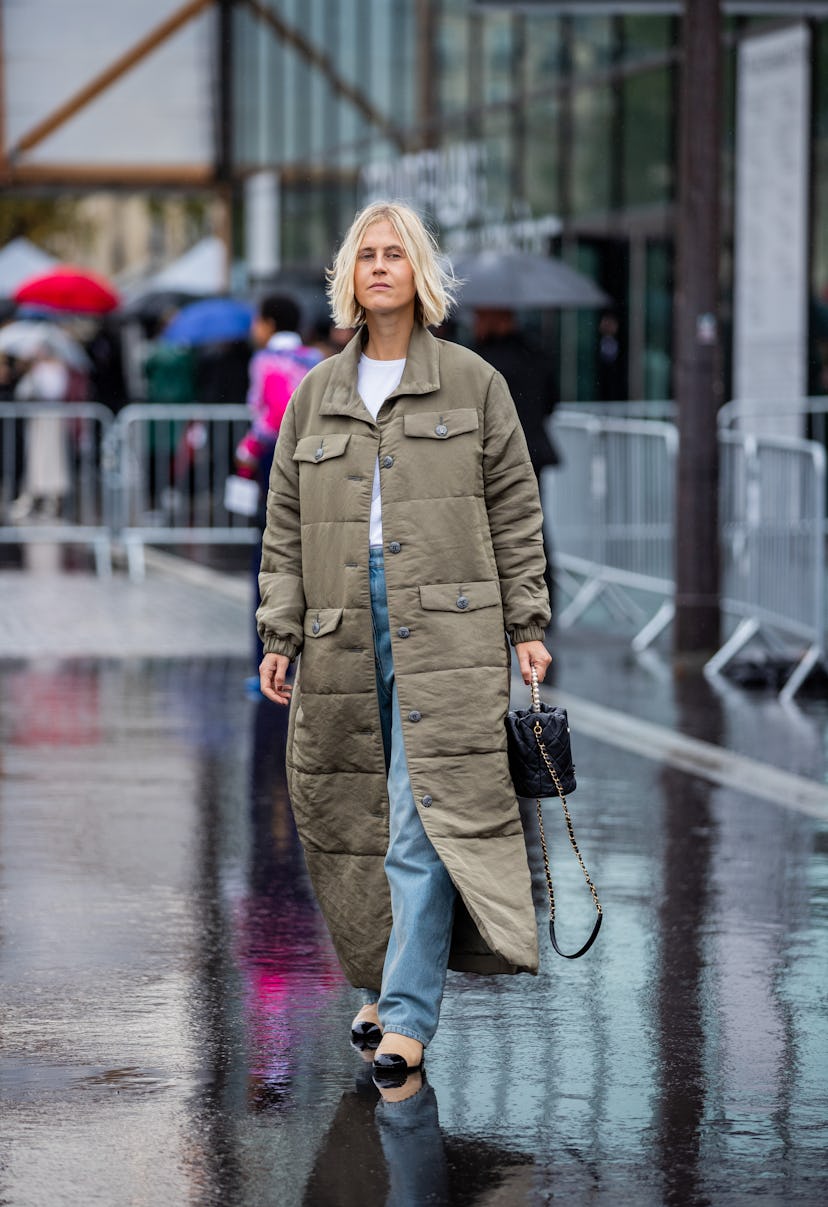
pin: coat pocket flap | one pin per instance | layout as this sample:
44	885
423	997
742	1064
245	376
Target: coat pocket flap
319	621
321	448
441	425
459	597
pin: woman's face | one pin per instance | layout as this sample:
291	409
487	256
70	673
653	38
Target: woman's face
383	276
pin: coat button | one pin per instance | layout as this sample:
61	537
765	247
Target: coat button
387	462
427	801
394	547
319	454
414	715
441	430
462	602
404	631
316	626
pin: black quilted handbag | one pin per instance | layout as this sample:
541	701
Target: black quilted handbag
540	763
526	728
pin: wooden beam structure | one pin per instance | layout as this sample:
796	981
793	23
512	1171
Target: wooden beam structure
115	175
108	76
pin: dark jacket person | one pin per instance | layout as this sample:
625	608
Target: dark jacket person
530	376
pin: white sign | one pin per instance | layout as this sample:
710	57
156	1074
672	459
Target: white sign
261	226
449	183
771	280
158	113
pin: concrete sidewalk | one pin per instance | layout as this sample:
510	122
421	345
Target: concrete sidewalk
179	610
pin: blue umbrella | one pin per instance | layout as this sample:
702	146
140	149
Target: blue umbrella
213	321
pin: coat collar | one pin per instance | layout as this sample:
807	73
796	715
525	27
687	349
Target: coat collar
421	374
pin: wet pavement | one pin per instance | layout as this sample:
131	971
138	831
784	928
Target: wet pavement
174	1020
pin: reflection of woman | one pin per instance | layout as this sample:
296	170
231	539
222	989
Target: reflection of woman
403	538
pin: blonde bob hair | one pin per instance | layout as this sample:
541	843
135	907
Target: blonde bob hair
435	286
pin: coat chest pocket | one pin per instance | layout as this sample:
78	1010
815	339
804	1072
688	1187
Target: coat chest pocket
440	425
460	598
318	449
321	621
323	471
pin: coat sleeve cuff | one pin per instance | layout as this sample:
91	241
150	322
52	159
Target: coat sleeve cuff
529	632
280	645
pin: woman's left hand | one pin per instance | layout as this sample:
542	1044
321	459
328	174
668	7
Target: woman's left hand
532	653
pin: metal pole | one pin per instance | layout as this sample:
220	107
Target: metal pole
227	186
427	101
224	115
698	384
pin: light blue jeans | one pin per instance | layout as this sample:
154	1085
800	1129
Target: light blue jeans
422	893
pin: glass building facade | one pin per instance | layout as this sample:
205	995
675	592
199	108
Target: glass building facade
556	133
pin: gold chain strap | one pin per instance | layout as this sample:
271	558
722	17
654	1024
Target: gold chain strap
538	730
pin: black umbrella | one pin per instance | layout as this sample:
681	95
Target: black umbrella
157	304
514	280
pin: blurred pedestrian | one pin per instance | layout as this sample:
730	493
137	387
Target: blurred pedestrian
222	372
108	381
403	542
169	374
319	336
328	338
530	376
611	384
169	371
12	440
279	364
46	460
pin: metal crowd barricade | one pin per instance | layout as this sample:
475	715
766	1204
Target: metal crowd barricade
611	505
53	476
171	465
772	508
805	418
646	408
809	415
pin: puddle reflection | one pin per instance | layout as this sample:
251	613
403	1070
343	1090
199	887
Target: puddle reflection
168	977
280	945
388	1148
683	911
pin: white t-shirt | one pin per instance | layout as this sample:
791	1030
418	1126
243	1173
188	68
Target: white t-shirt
376	379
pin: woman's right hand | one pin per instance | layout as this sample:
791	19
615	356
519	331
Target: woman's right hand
272	672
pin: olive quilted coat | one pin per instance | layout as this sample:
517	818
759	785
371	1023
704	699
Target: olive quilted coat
464	566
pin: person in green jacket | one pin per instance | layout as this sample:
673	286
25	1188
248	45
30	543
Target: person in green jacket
403	544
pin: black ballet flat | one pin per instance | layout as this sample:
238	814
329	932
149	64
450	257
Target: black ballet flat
391	1069
366	1047
366	1035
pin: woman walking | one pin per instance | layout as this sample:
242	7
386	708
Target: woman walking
403	542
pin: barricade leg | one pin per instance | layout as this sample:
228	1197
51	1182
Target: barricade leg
589	592
136	563
103	557
801	671
654	627
745	632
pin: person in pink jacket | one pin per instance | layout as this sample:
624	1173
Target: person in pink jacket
279	364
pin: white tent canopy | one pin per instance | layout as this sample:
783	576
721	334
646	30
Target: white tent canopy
18	260
201	270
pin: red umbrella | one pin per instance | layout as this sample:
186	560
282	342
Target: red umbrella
68	288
